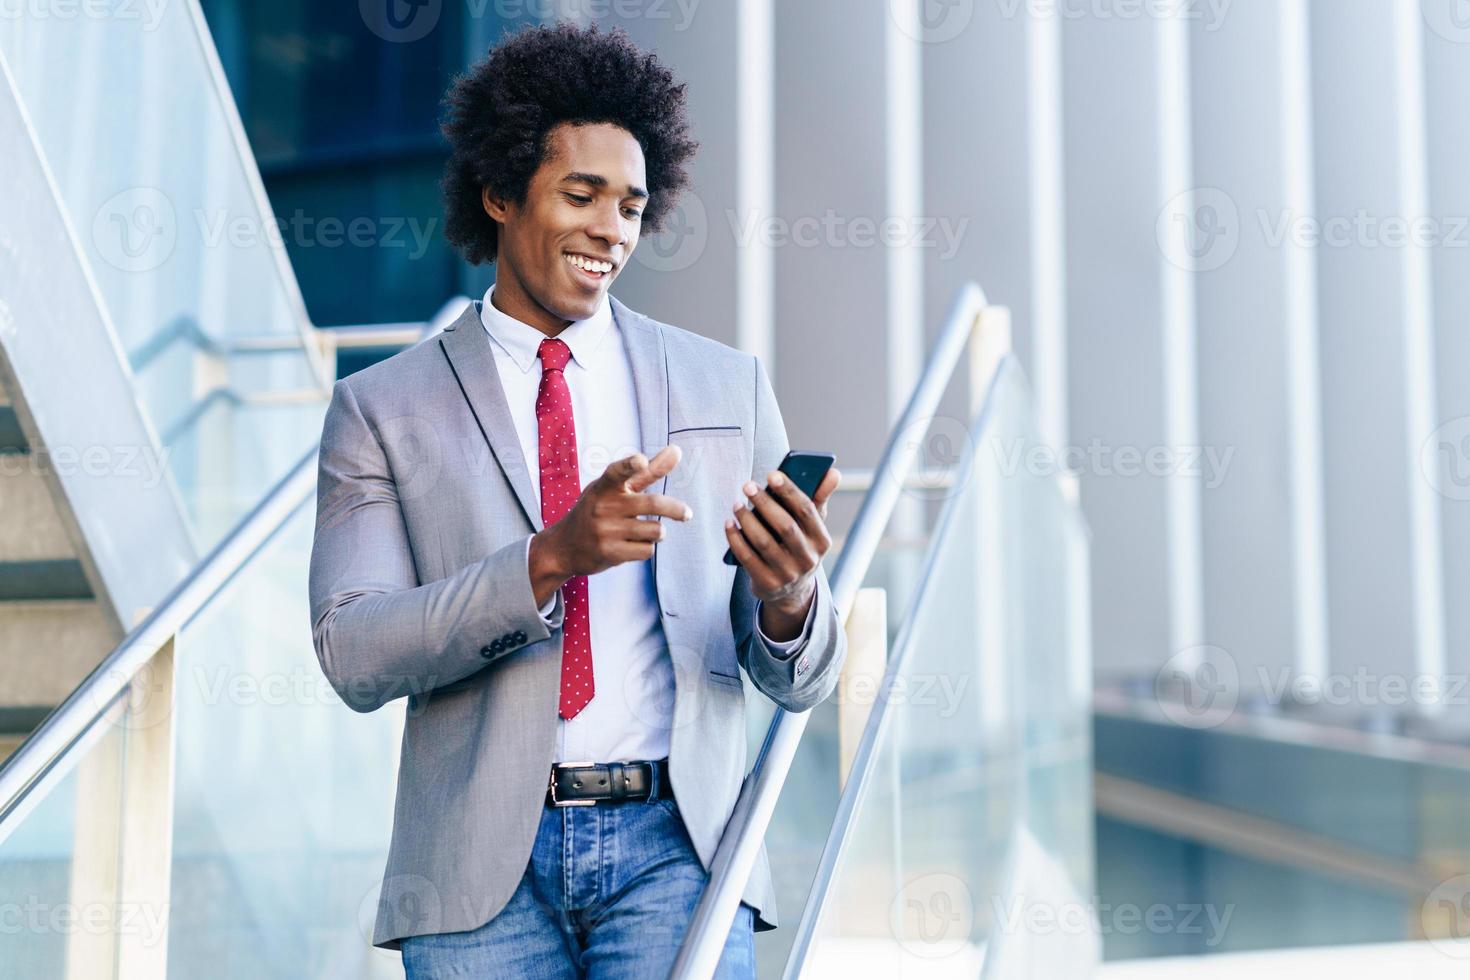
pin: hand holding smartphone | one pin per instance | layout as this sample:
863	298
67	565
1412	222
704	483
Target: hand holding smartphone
805	469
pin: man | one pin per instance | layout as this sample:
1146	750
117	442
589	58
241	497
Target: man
520	525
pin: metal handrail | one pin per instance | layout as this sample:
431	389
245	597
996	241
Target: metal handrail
739	846
180	329
879	720
62	729
359	335
366	335
862	480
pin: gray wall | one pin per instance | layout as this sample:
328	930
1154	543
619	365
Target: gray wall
1197	213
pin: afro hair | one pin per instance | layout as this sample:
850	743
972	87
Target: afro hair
500	111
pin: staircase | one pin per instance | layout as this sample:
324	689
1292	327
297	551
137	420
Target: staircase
205	786
53	631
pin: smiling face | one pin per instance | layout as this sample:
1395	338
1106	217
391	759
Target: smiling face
560	251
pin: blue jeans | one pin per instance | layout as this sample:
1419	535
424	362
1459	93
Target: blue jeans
608	893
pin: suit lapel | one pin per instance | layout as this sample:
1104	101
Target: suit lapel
467	346
645	344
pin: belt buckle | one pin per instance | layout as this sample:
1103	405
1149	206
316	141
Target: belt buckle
551	785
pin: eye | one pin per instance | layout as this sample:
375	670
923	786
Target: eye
633	213
579	199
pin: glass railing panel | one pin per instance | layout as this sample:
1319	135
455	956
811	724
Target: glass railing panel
1053	641
128	107
975	798
803	813
125	101
58	914
808	801
798	828
284	796
228	453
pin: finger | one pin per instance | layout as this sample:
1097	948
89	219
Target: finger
666	459
634	529
762	576
658	467
798	504
658	505
827	487
625	551
786	526
619	472
764	540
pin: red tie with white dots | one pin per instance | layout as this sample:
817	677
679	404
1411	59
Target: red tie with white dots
560	486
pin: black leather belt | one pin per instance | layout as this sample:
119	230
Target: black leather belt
586	783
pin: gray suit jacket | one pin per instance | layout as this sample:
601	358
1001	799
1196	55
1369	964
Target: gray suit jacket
419	589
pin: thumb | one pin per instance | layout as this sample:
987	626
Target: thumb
826	489
621	472
828	486
663	461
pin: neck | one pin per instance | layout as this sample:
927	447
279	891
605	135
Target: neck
512	299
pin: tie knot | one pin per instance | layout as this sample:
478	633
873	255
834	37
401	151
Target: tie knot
554	354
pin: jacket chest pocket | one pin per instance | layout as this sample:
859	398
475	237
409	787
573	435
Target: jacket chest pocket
714	459
692	580
714	464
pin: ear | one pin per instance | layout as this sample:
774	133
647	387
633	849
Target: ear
496	207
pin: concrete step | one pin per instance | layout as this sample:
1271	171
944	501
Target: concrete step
51	632
30	526
47	647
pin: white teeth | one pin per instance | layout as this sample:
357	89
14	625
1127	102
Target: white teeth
591	265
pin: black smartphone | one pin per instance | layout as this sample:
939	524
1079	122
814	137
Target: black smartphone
803	467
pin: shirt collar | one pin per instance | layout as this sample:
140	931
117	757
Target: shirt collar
522	341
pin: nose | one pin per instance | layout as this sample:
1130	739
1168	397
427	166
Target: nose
607	225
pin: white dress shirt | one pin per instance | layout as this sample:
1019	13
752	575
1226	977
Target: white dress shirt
631	711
